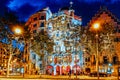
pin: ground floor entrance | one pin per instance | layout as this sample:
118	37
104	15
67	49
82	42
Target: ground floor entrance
63	70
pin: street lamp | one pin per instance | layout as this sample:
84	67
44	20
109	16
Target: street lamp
18	31
96	27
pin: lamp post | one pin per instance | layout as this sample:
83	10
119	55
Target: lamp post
18	32
96	28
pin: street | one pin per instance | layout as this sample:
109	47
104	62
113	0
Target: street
48	77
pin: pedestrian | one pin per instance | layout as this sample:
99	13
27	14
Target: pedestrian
70	73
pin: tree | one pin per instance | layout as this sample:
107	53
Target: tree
41	43
105	39
7	36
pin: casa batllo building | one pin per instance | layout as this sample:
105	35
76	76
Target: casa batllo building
67	55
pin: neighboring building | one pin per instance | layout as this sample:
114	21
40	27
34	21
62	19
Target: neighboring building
108	60
36	23
15	64
36	62
3	59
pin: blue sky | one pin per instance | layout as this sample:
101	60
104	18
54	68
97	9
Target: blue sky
84	8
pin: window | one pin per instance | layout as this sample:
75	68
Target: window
35	19
117	39
34	56
42	18
57	34
119	31
87	59
68	34
35	25
68	25
34	66
49	28
42	31
115	59
40	59
40	65
42	24
34	31
105	60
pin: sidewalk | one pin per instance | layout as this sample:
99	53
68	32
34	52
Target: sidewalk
58	77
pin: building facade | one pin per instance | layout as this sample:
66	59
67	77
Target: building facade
3	59
15	63
67	55
36	23
109	56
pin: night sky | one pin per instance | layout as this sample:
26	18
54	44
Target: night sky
84	8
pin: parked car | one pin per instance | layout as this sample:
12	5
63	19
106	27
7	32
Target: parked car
94	74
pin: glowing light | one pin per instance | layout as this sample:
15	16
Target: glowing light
17	31
96	26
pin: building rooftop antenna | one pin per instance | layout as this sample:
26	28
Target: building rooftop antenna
71	4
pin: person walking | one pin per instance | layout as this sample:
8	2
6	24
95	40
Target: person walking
70	73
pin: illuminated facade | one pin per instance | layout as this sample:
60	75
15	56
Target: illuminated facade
15	64
3	59
108	59
67	55
36	23
63	28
